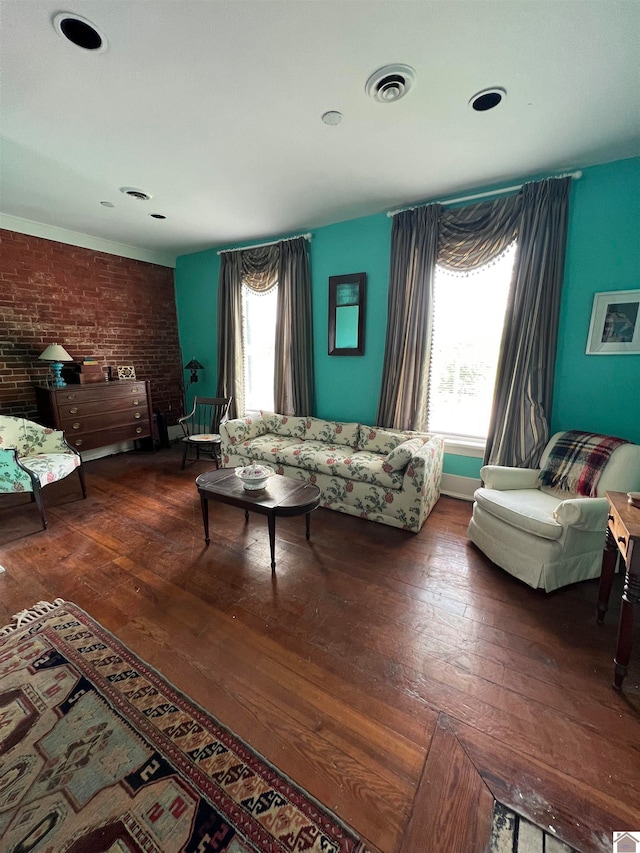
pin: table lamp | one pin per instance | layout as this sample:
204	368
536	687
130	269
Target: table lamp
56	354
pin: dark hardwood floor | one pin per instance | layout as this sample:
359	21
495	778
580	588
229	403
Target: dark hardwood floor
402	680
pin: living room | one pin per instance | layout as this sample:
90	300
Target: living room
401	680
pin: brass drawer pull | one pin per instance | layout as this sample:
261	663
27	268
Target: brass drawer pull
137	415
76	425
136	402
71	396
78	442
610	517
138	429
73	410
622	540
135	390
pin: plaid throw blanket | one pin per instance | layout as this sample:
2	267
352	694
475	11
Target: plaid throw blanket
576	461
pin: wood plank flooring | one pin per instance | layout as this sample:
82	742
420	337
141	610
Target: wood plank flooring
403	680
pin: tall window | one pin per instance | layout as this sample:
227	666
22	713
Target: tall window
468	316
258	346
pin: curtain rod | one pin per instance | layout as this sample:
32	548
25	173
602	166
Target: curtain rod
487	194
270	243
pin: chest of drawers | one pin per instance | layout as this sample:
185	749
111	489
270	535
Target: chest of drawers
98	414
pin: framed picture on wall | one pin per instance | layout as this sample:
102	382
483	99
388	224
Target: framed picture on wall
615	323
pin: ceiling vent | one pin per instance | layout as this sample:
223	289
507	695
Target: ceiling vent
132	192
390	83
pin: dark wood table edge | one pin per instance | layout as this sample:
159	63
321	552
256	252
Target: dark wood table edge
243	502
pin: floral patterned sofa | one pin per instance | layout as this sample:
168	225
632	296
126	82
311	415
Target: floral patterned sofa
32	456
383	475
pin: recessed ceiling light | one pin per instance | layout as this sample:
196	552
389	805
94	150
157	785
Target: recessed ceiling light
332	117
487	99
157	216
79	31
390	83
134	192
107	204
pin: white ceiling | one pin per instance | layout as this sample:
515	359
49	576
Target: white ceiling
213	107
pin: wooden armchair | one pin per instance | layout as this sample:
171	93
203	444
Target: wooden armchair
32	456
201	427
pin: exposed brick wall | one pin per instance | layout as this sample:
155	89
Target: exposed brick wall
115	309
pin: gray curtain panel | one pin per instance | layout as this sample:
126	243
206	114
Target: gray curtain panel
230	332
405	372
294	386
465	238
286	264
523	394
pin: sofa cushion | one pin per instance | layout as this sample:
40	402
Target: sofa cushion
400	456
527	509
267	448
284	424
333	432
378	440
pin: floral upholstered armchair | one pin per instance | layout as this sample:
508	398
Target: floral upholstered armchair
32	456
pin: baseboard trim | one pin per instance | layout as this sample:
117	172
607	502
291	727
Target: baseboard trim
455	486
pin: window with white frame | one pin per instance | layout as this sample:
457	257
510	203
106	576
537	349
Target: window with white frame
258	347
468	316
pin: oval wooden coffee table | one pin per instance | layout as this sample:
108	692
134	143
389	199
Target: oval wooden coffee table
282	496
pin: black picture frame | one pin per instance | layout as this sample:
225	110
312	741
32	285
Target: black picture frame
347	313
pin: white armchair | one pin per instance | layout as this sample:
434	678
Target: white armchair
547	537
32	456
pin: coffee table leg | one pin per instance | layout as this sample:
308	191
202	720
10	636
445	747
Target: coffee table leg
272	540
307	519
204	503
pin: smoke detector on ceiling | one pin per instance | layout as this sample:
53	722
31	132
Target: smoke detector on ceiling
390	83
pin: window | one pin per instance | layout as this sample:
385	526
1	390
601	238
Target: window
468	316
258	347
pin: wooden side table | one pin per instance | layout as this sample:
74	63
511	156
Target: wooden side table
623	537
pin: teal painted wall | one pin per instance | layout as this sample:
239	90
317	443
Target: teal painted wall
599	393
348	387
196	279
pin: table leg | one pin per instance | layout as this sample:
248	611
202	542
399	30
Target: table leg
204	503
272	540
609	560
630	597
307	519
246	515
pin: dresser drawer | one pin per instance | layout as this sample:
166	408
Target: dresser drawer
105	420
104	393
88	440
73	409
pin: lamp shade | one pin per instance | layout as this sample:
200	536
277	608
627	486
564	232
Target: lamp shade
194	364
55	352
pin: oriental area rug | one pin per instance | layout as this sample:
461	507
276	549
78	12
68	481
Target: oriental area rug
99	754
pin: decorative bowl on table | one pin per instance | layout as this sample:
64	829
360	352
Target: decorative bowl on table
254	477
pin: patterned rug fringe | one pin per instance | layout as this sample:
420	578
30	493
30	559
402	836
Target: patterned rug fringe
23	618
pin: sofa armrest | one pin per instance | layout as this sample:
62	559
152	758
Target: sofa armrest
237	430
426	464
583	513
504	478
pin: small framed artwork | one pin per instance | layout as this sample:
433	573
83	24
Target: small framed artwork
127	372
615	323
